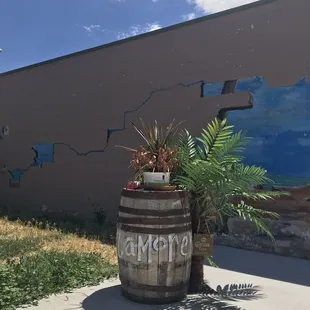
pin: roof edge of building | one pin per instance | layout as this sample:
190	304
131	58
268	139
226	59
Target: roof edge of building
140	36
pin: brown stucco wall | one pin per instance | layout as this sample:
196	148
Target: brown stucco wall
76	99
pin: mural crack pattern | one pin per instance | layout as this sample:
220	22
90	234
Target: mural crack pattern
278	121
44	152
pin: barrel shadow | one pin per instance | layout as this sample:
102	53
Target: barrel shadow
224	298
109	298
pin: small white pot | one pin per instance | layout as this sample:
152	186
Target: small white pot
156	178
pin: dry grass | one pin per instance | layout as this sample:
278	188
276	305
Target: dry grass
37	260
52	240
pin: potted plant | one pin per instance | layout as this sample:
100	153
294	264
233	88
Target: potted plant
158	158
215	178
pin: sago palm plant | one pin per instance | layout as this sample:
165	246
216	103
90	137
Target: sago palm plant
219	184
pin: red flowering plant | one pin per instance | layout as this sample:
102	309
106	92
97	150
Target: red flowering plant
164	161
160	152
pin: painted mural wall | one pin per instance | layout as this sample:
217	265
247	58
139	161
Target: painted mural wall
61	120
279	123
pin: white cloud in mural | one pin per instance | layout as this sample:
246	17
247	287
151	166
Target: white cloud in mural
214	6
138	29
189	16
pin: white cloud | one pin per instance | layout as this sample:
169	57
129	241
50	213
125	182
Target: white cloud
138	29
152	27
92	28
214	6
188	16
155	1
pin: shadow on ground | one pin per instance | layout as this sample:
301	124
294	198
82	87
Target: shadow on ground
111	298
276	267
92	225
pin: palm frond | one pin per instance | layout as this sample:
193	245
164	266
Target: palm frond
211	262
254	215
214	176
263	195
232	147
214	137
186	147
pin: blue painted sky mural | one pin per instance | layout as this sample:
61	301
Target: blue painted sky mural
279	123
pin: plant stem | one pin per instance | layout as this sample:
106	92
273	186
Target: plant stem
199	226
196	277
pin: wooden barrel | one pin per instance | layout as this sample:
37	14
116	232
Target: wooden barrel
154	245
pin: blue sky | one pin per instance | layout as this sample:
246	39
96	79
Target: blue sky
37	30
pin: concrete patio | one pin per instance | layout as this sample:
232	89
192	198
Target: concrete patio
282	283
